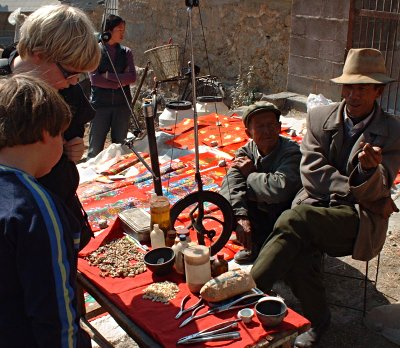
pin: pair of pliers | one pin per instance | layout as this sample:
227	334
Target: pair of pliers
216	332
183	311
241	302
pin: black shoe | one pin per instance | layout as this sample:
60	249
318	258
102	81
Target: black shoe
245	256
311	337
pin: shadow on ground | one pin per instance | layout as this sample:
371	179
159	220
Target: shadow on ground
347	329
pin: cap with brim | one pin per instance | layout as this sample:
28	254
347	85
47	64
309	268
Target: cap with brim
364	65
261	106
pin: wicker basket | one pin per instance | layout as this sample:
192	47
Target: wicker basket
165	61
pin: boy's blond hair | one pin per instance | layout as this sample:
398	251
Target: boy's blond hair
61	34
29	106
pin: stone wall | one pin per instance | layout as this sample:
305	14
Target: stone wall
238	34
317	46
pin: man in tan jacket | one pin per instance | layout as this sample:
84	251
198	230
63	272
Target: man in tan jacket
350	158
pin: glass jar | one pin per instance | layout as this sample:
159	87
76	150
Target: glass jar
183	230
170	240
159	213
219	265
197	267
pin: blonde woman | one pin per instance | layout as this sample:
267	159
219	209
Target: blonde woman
57	44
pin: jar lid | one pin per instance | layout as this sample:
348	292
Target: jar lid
182	230
159	201
182	237
179	105
197	254
209	99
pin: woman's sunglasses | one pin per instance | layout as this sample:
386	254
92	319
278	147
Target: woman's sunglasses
67	74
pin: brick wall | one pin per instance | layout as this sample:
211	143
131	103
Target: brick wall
317	46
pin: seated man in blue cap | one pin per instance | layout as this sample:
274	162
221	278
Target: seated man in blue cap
350	158
263	179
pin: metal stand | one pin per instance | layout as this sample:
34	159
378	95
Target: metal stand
201	198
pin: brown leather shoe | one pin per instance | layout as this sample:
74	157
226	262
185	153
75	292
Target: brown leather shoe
311	337
245	256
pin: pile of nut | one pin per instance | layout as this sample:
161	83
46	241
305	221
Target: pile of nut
161	292
114	259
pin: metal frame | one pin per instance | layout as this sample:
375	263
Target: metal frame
365	279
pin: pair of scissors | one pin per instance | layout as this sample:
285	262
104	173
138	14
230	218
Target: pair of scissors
216	332
183	311
241	302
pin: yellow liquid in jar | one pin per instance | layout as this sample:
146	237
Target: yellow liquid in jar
159	211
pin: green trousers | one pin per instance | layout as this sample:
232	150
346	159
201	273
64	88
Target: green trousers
294	250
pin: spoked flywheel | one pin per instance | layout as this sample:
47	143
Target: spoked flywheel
209	214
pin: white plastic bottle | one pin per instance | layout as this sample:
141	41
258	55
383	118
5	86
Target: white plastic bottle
157	237
178	248
197	267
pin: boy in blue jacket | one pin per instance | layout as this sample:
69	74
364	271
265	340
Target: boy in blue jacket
39	238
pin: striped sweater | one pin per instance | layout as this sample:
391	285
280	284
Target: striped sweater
38	260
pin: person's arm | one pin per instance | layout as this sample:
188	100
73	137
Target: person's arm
128	76
98	79
279	185
234	188
44	271
74	149
319	176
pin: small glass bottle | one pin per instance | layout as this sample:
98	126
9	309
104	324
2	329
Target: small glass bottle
185	231
197	267
170	240
157	237
219	265
179	248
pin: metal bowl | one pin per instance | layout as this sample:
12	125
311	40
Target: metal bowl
271	310
160	261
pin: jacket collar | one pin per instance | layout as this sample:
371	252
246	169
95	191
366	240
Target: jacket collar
378	126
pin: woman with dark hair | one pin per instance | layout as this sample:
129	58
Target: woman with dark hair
107	96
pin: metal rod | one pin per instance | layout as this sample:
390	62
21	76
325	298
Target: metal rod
149	110
194	98
139	87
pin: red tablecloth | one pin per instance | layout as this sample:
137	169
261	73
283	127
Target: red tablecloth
158	319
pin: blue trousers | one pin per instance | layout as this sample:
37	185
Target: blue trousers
294	249
115	118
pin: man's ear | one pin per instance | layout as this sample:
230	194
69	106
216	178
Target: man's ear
37	57
248	133
380	89
45	136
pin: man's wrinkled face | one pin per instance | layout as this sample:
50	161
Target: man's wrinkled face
264	129
360	98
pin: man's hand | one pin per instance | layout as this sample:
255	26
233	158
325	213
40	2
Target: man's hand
74	149
370	156
243	232
245	165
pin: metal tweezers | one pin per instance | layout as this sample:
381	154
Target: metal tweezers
216	332
240	302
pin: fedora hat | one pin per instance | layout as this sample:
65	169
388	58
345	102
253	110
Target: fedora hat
364	65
